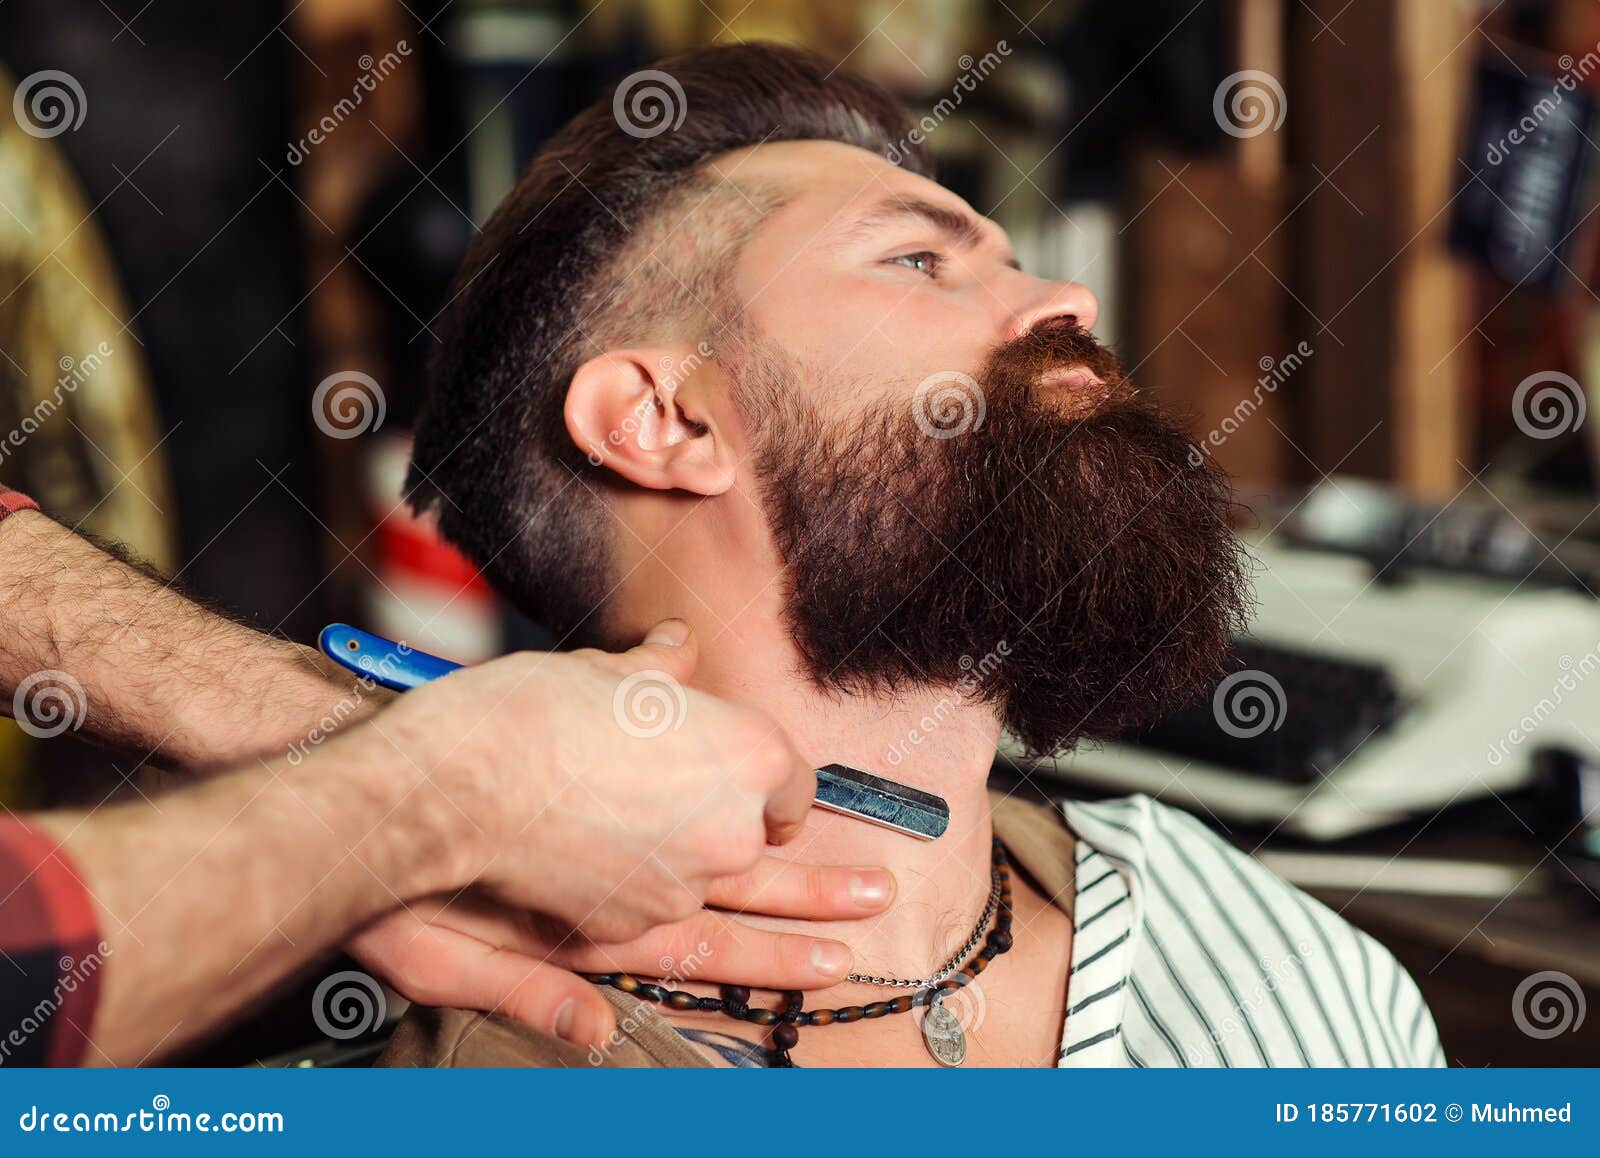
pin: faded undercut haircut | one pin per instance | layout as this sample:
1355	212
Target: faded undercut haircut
609	239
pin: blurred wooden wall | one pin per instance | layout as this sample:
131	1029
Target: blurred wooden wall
1328	230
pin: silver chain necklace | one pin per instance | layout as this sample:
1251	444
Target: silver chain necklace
955	962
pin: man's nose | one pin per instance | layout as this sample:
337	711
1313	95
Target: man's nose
1062	300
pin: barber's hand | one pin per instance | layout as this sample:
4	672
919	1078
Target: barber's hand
471	953
617	824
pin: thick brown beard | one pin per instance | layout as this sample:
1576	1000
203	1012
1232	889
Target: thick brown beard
1062	559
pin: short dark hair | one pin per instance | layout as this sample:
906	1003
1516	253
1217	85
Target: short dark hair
547	280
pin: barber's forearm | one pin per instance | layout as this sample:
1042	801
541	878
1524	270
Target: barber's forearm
215	893
160	674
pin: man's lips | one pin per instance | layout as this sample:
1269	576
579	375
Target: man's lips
1072	378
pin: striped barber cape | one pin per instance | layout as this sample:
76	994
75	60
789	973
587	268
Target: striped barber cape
1187	952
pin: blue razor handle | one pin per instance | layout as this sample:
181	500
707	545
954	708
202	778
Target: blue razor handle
385	662
840	788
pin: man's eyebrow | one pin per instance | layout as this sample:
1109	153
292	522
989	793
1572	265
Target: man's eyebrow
962	229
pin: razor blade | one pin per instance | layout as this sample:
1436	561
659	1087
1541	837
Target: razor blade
840	788
876	800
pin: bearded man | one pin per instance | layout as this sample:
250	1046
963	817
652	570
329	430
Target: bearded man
734	366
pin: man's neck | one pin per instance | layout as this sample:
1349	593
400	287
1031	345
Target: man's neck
928	738
678	562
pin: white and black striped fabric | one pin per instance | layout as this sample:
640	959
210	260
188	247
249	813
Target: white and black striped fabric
1187	952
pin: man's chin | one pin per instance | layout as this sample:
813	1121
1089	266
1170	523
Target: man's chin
1126	571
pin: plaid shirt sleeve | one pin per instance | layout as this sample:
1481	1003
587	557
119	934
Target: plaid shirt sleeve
50	954
13	501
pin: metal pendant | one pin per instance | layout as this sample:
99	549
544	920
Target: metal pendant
943	1035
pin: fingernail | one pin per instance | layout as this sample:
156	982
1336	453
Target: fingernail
671	632
830	957
871	888
566	1022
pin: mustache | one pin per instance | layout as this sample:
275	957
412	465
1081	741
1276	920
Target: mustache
1049	348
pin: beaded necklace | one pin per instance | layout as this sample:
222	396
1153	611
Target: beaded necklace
942	1032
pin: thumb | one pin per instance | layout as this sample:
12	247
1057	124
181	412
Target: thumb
431	964
549	998
671	646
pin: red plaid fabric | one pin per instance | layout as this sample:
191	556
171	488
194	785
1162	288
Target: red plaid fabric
13	501
51	956
50	949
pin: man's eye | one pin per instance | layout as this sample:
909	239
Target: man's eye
925	261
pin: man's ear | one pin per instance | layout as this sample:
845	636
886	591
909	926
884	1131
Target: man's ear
645	414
